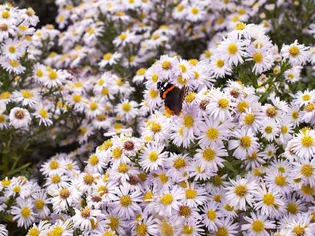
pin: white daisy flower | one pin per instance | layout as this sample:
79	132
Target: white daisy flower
23	213
170	201
125	202
153	157
209	157
233	49
109	59
84	218
297	53
19	117
245	143
257	225
304	144
240	192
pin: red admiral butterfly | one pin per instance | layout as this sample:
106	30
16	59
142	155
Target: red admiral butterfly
173	97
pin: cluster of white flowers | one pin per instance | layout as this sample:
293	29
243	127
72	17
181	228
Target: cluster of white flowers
236	158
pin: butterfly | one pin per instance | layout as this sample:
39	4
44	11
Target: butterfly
173	97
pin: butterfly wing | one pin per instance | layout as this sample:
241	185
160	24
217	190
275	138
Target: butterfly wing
174	100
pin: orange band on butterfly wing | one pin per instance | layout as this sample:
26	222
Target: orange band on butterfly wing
168	110
167	91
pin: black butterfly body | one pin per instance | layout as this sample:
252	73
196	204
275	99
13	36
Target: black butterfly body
173	97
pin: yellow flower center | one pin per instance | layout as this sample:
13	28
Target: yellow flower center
280	180
123	36
27	94
211	214
292	208
212	133
93	106
307	141
240	26
147	196
309	107
166	65
284	129
107	56
167	199
141	229
39	204
123	168
298	230
207	54
241	106
5	14
240	190
246	141
269	199
88	179
307	170
188	121
306	97
183	68
194	11
126	107
5	95
33	232
154	78
232	49
25	212
16	189
191	193
125	201
268	129
179	163
222	231
116	153
295	115
86	212
93	160
43	113
76	98
188	230
294	51
64	193
12	49
223	103
153	93
184	211
54	165
14	63
153	156
55	179
258	226
257	57
113	222
249	119
208	154
190	97
308	190
271	112
57	231
163	178
52	75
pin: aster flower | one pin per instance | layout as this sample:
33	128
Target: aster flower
296	53
125	202
19	117
152	157
23	213
257	225
240	192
